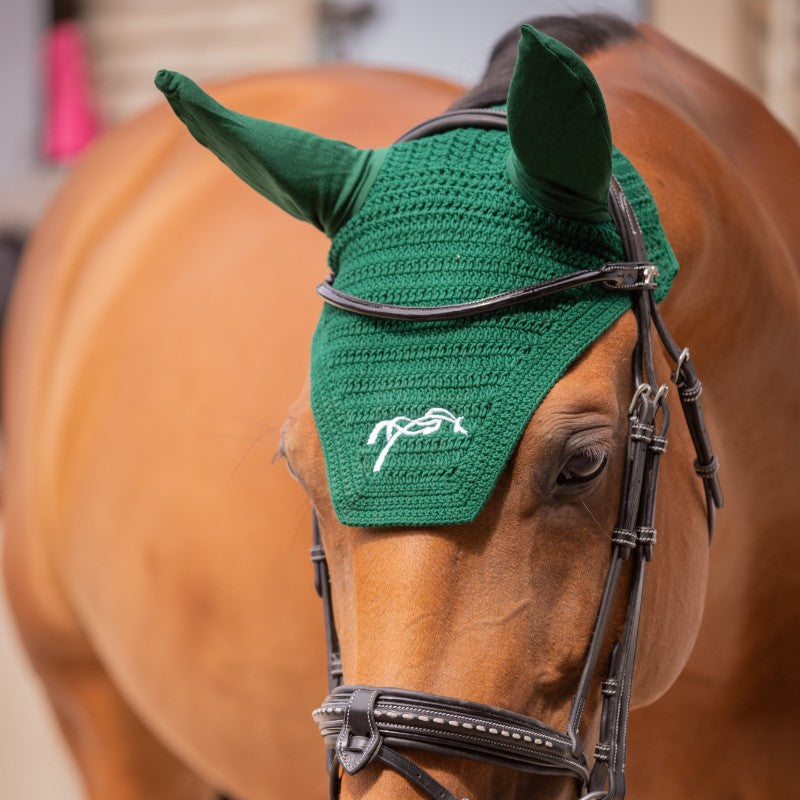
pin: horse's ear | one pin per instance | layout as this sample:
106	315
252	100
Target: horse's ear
318	180
560	136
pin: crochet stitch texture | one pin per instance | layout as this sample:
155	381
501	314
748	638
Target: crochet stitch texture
443	224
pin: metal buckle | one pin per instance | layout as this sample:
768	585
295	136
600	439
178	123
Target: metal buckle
628	276
682	359
641	389
650	274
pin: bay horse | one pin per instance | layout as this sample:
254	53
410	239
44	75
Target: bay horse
154	554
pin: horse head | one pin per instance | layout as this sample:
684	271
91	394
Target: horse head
472	474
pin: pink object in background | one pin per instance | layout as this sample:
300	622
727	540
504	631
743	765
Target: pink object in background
70	122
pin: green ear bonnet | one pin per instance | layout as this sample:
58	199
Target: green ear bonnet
418	419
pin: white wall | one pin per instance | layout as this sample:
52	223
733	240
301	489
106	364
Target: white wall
453	38
20	25
34	764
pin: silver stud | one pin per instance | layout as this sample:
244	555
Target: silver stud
408	716
515	736
538	741
391	714
468	725
493	730
338	710
548	744
378	713
527	738
453	722
438	720
423	719
505	733
480	728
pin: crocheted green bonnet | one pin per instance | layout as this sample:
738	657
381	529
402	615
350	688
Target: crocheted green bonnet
418	419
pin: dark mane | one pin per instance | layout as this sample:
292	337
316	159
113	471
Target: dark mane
584	34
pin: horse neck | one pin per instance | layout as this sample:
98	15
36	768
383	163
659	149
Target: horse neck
748	331
724	174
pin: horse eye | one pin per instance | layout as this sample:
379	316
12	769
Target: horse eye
582	467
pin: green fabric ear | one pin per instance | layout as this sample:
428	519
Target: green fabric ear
560	136
318	180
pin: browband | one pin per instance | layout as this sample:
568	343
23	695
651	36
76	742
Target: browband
626	276
485	118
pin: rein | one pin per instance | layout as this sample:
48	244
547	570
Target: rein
361	724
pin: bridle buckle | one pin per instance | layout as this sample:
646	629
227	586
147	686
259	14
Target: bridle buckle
650	273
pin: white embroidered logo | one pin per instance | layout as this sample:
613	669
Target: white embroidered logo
425	425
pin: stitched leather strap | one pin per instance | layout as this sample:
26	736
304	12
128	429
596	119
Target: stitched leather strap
689	391
455	727
685	375
359	738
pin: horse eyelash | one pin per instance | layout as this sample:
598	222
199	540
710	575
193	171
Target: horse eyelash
592	451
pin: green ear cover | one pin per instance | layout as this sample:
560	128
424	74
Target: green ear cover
318	180
560	136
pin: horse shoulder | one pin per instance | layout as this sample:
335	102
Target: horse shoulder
159	333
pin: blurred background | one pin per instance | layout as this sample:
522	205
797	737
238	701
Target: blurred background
70	69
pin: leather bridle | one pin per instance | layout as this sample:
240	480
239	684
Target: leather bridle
361	724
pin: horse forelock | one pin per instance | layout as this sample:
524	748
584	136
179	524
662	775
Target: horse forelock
585	34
